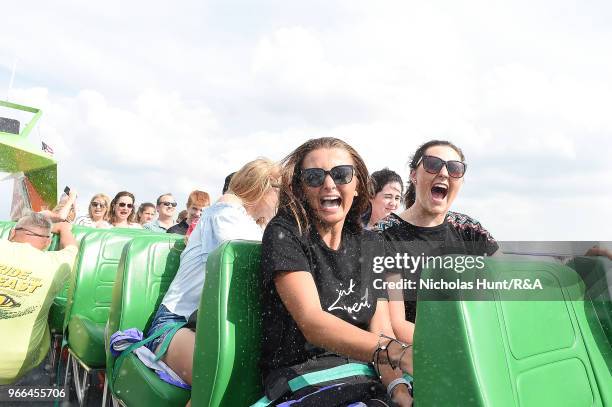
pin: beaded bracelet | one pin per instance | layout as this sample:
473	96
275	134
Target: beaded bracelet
379	348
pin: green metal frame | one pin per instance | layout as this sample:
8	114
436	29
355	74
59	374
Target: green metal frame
17	154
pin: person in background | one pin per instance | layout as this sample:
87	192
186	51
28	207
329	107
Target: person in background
122	211
166	206
226	183
97	216
197	201
65	210
30	278
146	213
182	215
388	191
250	202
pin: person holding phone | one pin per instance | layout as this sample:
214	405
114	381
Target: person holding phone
30	277
65	210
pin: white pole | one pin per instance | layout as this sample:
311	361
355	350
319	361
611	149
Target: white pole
11	81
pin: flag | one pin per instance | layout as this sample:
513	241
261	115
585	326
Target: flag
47	148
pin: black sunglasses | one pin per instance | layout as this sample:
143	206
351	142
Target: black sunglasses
32	233
172	204
433	165
98	204
314	177
123	205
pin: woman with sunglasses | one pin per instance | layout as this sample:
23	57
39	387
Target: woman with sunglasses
320	308
436	177
122	211
97	213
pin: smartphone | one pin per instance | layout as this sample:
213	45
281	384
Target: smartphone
67	190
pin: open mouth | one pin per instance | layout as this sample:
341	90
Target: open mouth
330	202
439	191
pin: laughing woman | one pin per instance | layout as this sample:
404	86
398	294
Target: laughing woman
320	308
122	211
97	213
436	177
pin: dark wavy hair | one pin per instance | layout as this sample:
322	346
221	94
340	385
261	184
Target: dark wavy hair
383	177
113	204
143	207
410	196
292	199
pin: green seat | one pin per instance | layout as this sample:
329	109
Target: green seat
147	268
225	371
90	293
58	308
5	228
596	272
545	351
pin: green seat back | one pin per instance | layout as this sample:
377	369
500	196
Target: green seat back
5	228
147	267
596	272
58	308
497	352
225	370
90	292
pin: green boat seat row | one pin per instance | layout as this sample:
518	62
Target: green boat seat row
147	267
90	293
548	349
228	338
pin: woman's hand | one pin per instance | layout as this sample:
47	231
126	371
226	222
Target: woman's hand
400	356
72	195
401	396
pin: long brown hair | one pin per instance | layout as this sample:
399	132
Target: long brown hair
292	198
113	204
410	197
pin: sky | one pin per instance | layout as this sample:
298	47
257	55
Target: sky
155	97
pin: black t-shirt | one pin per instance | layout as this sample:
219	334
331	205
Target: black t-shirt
180	228
345	288
458	234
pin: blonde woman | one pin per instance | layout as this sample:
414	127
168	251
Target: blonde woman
97	213
122	214
241	213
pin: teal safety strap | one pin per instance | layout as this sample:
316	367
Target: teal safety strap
119	361
334	373
164	345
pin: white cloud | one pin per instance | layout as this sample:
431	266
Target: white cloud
148	98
